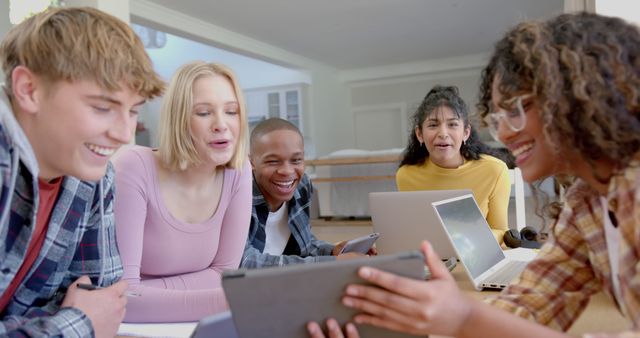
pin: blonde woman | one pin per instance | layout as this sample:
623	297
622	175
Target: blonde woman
182	210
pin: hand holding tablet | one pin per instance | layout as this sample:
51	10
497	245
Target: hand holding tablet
281	301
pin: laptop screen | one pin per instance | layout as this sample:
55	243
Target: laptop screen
470	233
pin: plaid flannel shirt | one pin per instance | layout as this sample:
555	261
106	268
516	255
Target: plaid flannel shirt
71	248
310	248
555	288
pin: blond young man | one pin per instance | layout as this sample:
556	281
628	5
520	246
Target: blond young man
75	79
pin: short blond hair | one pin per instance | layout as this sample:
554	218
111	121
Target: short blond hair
176	148
71	44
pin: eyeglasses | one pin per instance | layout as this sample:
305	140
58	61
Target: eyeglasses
515	118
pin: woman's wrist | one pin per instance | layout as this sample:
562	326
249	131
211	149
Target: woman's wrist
470	318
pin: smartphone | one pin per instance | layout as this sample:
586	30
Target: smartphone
360	244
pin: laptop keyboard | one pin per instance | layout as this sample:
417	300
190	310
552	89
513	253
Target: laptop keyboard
507	273
449	263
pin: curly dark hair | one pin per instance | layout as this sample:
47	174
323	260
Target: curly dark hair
439	96
584	73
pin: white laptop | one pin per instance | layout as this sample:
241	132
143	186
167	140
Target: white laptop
477	248
405	219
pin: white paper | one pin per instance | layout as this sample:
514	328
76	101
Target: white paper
164	330
521	254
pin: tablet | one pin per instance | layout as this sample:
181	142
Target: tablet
360	244
280	301
218	325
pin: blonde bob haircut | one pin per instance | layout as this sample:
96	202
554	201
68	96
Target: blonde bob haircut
71	44
176	148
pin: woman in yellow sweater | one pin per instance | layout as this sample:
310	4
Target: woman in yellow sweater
445	153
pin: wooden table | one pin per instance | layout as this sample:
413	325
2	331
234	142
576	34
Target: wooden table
601	315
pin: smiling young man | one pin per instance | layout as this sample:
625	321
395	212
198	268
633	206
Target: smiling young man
75	79
280	232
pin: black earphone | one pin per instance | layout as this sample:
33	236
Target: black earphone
526	238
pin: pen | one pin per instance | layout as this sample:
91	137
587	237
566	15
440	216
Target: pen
92	287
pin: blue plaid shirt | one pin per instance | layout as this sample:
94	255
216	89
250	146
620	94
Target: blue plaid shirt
72	246
303	247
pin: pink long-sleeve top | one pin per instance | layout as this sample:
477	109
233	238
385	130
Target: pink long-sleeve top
175	266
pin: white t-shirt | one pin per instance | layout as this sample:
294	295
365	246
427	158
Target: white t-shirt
612	236
277	231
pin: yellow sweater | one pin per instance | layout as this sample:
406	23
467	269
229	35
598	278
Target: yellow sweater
488	179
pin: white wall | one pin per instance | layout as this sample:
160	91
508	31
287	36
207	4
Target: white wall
389	101
117	8
336	98
5	25
331	129
251	73
625	9
328	104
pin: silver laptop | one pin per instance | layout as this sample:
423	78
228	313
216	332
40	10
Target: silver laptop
405	219
477	248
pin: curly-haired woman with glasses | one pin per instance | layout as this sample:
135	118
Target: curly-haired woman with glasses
444	153
564	96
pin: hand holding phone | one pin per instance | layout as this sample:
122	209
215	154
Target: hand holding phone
360	244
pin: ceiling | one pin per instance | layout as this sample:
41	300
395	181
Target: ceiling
351	34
